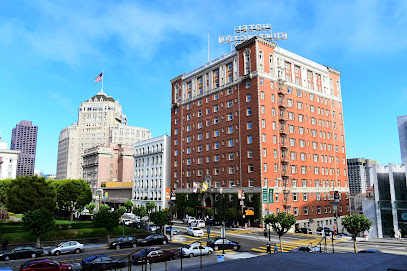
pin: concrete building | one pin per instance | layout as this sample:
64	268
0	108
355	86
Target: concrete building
388	208
8	162
360	174
262	117
402	126
355	201
109	163
100	121
152	172
24	139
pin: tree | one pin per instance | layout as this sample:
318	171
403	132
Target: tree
355	224
209	212
129	205
107	219
230	214
150	206
140	211
29	193
91	207
38	222
189	211
4	185
159	218
281	224
121	210
72	195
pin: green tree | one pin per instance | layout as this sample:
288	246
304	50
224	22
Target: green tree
107	219
121	210
140	211
150	206
91	207
189	211
230	214
128	204
4	185
355	224
281	224
38	222
28	193
72	195
209	212
159	218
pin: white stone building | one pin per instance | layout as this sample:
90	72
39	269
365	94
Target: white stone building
152	172
8	162
100	121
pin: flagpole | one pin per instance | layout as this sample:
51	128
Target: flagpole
103	71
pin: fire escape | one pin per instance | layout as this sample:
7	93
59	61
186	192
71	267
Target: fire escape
284	144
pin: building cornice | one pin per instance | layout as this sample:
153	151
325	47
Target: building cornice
179	77
333	70
252	41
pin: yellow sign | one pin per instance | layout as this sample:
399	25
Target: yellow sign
204	187
249	212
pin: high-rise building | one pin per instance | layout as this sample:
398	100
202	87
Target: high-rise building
258	118
24	139
360	174
8	162
402	126
100	121
152	172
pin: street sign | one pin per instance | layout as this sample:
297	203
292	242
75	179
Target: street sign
242	202
239	194
334	202
265	195
271	192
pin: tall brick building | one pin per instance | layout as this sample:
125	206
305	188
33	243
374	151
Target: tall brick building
257	117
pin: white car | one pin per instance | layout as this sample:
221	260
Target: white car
195	249
194	231
67	247
189	219
198	223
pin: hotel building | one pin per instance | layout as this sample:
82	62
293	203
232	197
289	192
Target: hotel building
262	117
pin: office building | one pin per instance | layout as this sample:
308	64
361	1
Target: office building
24	139
360	174
8	162
387	209
152	172
262	117
100	121
402	127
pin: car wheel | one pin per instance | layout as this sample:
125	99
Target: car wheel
134	245
209	252
191	255
7	258
234	247
164	242
77	250
118	247
33	255
57	253
216	248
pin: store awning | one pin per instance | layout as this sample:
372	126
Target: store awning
249	212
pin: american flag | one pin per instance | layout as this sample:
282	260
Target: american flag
99	77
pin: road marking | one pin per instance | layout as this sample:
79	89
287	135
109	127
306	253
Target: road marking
260	250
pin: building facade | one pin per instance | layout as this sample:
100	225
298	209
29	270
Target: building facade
100	122
360	174
262	117
24	139
108	163
8	162
402	127
152	172
388	209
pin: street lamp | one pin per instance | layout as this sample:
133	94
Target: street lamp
99	194
268	204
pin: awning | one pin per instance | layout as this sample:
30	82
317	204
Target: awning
249	212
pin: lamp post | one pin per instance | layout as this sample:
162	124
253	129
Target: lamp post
99	193
268	203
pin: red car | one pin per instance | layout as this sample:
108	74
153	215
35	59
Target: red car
160	256
44	265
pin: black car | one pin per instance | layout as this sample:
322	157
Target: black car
223	243
155	239
21	253
231	224
101	262
212	222
124	242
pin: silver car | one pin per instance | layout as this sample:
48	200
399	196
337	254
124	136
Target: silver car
67	247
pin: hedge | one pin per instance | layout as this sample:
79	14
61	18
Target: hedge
17	226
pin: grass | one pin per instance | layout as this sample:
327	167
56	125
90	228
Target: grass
77	234
17	216
60	221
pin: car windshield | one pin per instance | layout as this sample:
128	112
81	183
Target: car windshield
61	244
121	238
150	237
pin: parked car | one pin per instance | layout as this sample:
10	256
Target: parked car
43	265
195	249
370	251
155	239
231	224
153	228
101	262
173	230
195	231
141	256
160	256
128	241
21	252
306	230
328	231
197	223
306	249
223	243
343	235
189	219
127	222
212	222
67	247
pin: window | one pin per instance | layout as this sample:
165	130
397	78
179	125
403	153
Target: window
250	168
249	153
230	116
216	145
230	143
247	83
304	196
251	182
264	137
216	133
215	120
248	97
263	123
249	111
230	129
263	109
264	152
229	103
265	167
249	139
262	96
215	96
249	125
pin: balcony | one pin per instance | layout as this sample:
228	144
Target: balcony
285	160
287	205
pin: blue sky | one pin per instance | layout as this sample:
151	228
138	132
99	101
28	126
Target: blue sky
51	52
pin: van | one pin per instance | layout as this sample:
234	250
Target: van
189	219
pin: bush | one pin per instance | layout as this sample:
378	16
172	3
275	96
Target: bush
74	225
10	228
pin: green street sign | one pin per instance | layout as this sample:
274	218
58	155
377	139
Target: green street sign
265	196
271	192
334	202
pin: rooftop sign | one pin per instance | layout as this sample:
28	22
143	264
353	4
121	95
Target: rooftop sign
246	32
